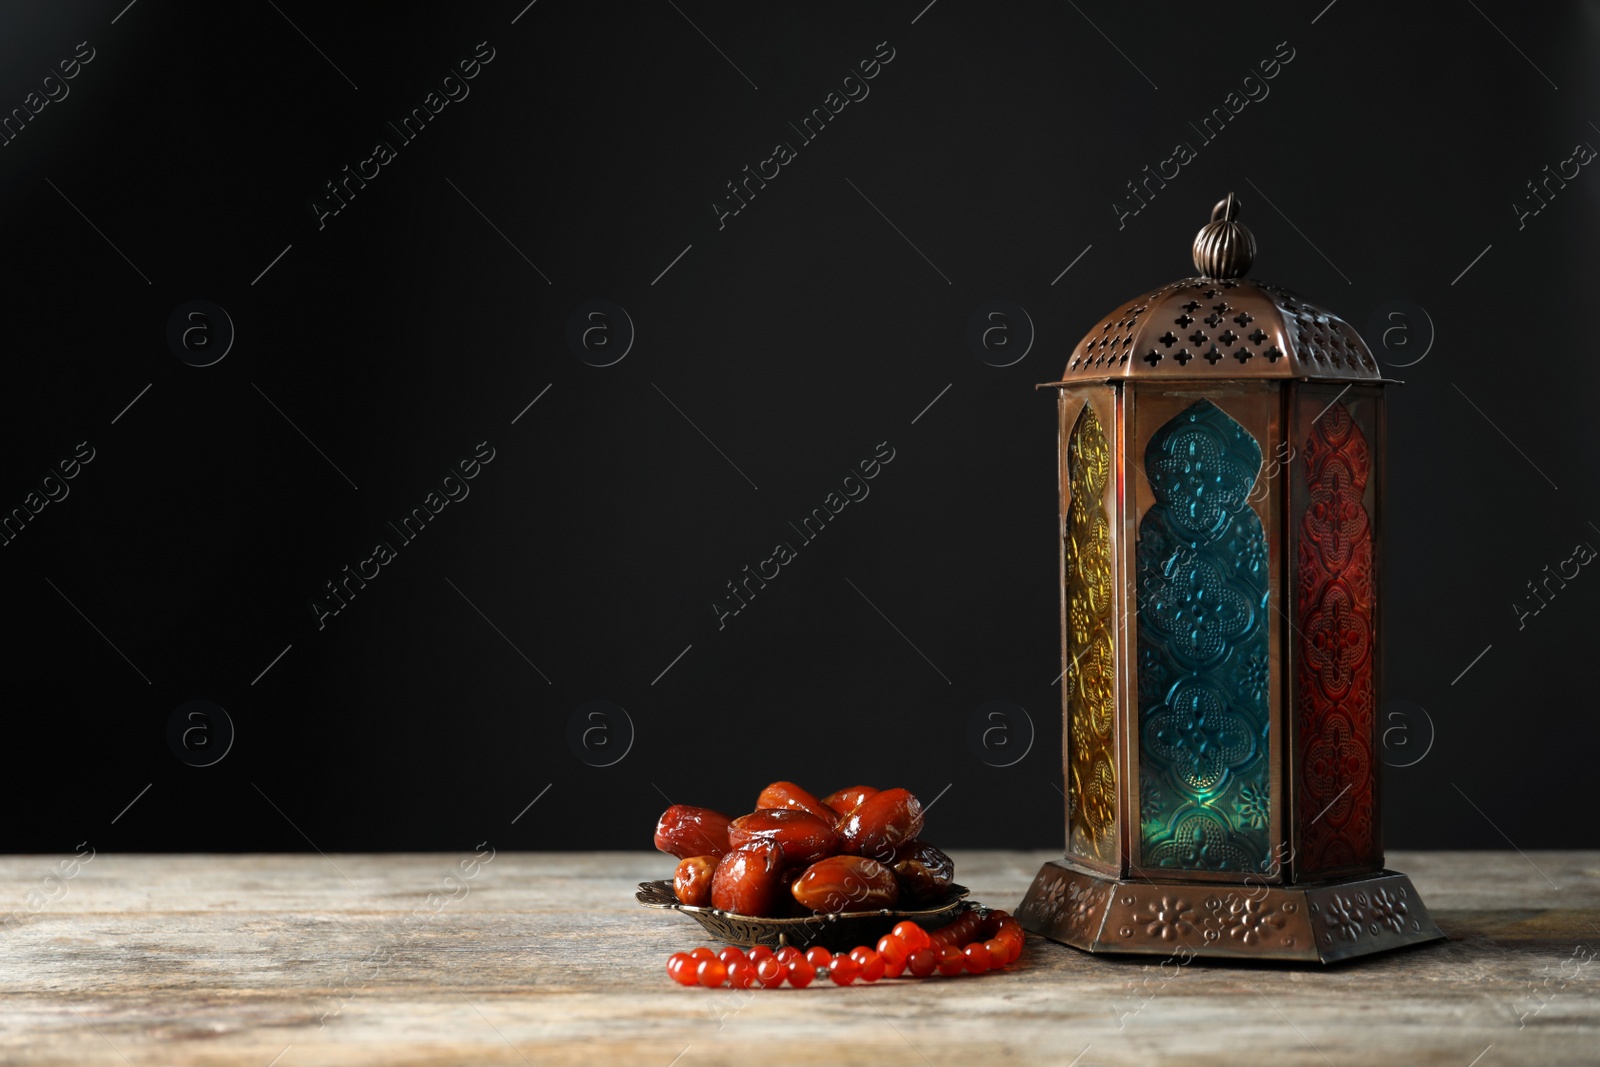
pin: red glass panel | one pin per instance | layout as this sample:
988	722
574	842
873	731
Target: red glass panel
1335	632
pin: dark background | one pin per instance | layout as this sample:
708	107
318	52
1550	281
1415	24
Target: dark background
797	338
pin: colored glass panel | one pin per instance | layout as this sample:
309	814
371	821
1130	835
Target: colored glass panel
1092	773
1204	671
1335	677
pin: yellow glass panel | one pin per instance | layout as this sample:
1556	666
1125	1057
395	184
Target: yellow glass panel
1092	769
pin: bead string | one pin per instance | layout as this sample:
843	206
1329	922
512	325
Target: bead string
996	940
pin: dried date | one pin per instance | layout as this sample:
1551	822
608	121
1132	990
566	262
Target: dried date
685	830
847	800
880	824
692	882
787	795
749	880
803	837
846	883
925	873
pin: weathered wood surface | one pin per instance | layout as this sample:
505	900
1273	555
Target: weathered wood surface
545	959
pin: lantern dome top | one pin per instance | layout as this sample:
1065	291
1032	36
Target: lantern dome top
1221	325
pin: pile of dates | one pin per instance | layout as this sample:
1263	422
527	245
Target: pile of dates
854	850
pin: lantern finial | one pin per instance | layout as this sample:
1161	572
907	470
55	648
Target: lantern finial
1224	247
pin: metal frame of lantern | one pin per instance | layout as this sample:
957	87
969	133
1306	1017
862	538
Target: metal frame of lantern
1221	481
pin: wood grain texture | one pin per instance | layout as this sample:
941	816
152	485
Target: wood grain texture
545	959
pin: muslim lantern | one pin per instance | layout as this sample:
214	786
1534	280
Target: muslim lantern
1222	505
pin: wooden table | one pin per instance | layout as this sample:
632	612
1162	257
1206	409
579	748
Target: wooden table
294	960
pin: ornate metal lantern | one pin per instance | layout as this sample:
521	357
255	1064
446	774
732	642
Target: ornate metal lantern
1221	470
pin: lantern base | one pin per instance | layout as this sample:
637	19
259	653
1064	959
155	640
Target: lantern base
1323	922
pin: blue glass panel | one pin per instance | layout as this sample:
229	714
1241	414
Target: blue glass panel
1203	666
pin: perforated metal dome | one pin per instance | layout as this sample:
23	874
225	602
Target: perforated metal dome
1209	328
1221	326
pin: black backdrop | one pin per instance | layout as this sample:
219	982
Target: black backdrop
375	350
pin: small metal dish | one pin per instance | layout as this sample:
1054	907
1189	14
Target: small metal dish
839	932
